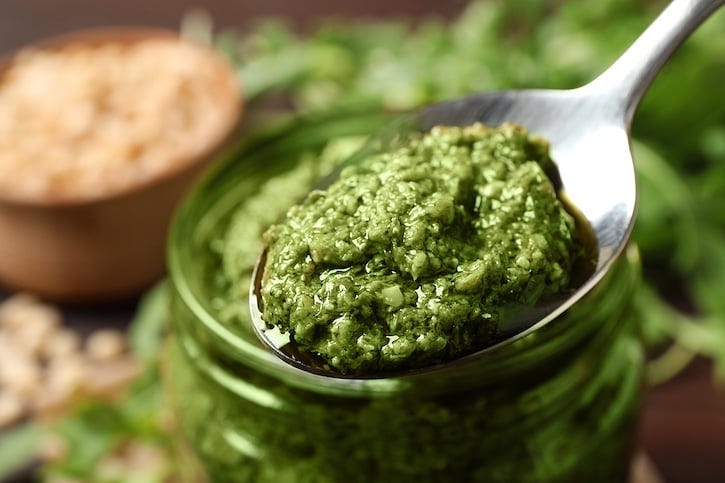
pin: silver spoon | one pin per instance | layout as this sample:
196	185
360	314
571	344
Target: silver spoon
588	129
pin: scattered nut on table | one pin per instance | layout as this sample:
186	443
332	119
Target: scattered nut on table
64	342
45	368
11	409
21	376
105	345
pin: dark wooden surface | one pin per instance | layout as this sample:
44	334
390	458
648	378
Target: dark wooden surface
22	21
683	428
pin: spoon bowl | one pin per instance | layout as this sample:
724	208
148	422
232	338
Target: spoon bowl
588	130
589	145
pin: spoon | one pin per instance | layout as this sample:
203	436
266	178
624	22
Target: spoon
588	129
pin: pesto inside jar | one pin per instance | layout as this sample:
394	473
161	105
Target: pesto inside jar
418	255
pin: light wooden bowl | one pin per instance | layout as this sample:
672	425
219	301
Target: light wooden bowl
107	248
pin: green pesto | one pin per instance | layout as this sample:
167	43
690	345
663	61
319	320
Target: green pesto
557	406
415	256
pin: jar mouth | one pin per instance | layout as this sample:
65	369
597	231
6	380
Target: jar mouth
251	353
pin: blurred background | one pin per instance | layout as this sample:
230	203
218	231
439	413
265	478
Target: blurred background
394	55
25	21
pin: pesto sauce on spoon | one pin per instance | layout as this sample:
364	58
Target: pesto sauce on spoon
418	256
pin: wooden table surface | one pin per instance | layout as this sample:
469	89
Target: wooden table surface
683	427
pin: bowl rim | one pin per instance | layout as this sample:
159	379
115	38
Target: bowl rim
181	164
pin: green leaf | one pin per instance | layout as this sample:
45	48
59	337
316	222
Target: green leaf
149	325
94	431
18	447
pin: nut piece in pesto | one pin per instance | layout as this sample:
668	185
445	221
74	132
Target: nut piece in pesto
415	256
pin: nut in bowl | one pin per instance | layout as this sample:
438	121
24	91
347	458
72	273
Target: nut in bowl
101	133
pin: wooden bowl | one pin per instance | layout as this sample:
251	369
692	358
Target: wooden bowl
108	247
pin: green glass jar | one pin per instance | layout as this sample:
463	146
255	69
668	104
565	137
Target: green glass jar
558	405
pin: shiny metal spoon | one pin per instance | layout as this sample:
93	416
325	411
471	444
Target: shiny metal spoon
588	129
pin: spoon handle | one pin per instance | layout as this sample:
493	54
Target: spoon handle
630	76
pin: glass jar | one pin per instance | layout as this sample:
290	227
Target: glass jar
559	405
